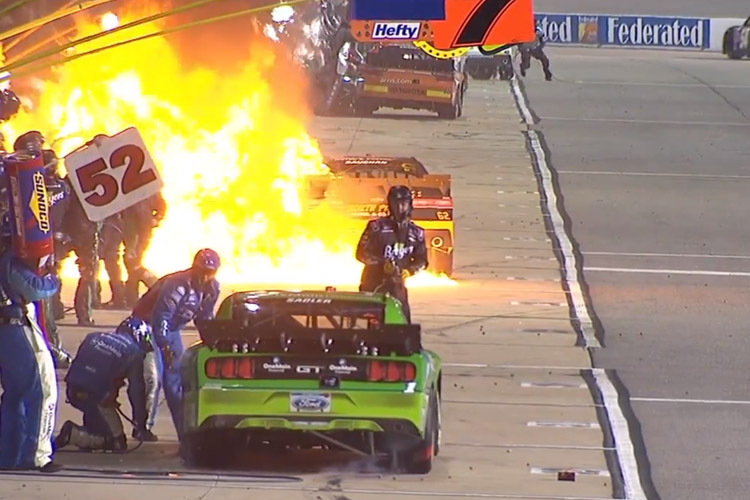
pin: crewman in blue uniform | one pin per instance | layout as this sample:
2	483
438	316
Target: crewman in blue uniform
27	373
174	301
99	370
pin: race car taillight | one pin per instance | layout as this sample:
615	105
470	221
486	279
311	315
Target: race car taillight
230	368
391	371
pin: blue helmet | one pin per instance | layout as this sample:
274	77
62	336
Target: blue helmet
139	330
206	260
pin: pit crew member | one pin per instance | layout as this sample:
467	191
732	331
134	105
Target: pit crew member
98	372
535	49
174	301
392	248
27	372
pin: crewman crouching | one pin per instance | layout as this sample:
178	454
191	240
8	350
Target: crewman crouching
103	362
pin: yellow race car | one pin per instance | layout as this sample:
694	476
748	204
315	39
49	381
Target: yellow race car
358	185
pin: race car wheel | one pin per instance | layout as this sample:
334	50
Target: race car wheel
483	72
728	45
441	262
419	460
449	111
205	450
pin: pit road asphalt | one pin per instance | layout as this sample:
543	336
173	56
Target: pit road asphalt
515	404
652	155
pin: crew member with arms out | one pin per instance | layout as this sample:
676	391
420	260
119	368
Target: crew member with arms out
175	300
392	248
535	49
98	372
27	373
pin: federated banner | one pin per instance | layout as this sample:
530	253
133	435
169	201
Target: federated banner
626	31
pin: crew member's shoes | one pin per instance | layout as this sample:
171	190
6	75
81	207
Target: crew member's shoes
50	468
548	77
115	306
85	322
63	439
147	436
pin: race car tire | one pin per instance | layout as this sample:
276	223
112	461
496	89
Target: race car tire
483	72
203	450
441	262
728	45
364	110
449	111
420	459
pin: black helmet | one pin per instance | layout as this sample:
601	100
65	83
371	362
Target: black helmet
400	203
139	330
32	141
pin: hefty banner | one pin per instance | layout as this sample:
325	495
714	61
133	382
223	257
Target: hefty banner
626	31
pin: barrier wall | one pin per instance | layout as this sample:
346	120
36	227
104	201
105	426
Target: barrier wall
600	30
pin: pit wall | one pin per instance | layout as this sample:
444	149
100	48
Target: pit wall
628	31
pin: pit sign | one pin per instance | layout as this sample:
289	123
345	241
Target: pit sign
111	174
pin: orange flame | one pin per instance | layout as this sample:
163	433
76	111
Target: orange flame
232	150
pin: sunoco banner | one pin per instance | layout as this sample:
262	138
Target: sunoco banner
626	31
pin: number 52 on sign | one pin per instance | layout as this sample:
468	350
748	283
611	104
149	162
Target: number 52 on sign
111	174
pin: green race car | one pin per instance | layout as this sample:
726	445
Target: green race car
312	369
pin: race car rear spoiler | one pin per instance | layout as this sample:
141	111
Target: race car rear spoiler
234	336
369	189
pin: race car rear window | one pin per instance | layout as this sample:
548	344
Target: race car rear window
400	58
296	316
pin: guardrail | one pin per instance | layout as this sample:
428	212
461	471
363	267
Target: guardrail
629	31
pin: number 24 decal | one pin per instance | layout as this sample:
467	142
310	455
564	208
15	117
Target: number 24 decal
93	175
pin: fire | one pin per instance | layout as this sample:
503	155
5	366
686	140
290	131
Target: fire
232	150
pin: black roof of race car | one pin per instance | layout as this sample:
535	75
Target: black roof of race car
354	165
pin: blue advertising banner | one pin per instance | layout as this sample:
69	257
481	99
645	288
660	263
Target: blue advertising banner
398	10
626	31
654	31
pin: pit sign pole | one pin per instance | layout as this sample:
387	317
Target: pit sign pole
110	174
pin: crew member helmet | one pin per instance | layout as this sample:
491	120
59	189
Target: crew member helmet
400	203
32	141
139	330
206	260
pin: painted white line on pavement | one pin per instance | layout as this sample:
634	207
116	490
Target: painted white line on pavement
641	122
554	385
582	472
516	367
628	464
653	174
564	425
699	401
569	264
678	255
531	446
621	435
688	272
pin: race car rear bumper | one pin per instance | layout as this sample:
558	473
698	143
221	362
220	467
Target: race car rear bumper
360	410
312	423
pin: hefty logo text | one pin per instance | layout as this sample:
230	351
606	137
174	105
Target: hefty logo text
395	31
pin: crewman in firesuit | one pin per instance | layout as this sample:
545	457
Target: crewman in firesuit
83	239
139	222
27	373
103	362
59	198
111	237
392	248
174	301
535	49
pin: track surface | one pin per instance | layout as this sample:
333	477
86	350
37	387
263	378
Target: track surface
516	405
652	155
